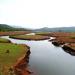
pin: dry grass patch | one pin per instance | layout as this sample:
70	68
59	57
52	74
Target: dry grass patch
30	37
13	33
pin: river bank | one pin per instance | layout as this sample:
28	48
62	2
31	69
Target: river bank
64	40
69	48
13	57
21	66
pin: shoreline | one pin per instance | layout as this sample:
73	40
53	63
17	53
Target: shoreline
69	49
21	66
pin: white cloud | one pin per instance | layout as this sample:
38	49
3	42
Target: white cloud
38	13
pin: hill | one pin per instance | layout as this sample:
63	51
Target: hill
58	29
4	27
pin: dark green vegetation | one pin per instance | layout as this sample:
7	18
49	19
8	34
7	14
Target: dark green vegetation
4	27
30	37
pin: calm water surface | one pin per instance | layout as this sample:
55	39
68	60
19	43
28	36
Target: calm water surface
46	59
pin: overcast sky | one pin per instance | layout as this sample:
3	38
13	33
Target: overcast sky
38	13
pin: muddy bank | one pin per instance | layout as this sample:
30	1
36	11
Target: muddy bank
21	67
69	49
65	40
56	43
62	40
68	44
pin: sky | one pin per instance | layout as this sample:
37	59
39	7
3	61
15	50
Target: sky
38	13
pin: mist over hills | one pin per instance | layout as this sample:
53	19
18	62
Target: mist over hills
5	27
58	29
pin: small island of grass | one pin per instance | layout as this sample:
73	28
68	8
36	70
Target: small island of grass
30	37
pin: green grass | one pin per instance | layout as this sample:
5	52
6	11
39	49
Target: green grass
30	37
2	40
9	59
43	33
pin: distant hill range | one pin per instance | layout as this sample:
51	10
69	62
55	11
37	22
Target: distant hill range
4	27
58	29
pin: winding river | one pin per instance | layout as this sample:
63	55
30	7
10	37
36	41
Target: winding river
46	59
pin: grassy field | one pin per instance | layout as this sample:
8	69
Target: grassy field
9	54
13	33
62	34
30	37
43	33
2	40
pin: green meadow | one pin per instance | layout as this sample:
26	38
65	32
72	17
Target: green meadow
9	55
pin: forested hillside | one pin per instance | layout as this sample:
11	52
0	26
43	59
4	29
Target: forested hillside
4	27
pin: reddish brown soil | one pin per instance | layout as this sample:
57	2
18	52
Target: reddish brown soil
62	34
13	33
65	39
21	67
70	48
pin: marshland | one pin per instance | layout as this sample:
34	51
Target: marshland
37	53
